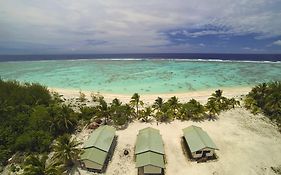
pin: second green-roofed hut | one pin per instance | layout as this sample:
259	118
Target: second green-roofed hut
149	152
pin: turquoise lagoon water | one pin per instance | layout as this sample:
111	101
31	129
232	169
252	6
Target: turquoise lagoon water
142	76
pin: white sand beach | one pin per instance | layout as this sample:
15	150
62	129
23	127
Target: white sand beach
247	144
201	96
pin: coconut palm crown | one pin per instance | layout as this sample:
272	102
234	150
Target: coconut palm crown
37	165
66	150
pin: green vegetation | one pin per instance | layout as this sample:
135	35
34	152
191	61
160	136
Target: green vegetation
31	118
65	154
145	114
103	110
82	97
66	150
218	103
191	110
37	165
121	114
136	102
265	98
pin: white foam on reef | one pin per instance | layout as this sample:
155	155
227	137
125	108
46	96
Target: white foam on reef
177	59
151	59
220	60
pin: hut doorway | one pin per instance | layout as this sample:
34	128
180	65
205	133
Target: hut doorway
205	153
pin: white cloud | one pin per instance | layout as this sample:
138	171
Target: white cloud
130	26
278	43
246	48
253	50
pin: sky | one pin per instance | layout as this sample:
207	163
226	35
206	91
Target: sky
139	26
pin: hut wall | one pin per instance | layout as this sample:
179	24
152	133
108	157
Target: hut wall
198	155
149	169
92	165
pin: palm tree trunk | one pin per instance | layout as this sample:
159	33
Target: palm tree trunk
137	110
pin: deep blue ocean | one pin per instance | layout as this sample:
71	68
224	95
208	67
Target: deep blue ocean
192	56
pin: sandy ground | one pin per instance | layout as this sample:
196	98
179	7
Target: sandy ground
247	144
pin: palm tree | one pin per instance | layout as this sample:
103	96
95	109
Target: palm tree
184	112
57	98
103	110
135	102
36	165
219	99
251	104
259	91
120	114
213	109
174	104
82	97
66	150
158	104
266	98
52	122
146	113
192	110
273	105
66	120
116	102
62	119
217	96
273	99
164	114
232	102
128	111
87	112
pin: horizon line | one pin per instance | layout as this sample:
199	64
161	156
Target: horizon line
148	53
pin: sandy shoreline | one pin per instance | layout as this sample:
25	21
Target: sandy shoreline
201	96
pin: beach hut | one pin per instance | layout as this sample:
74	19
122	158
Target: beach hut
98	149
149	152
199	142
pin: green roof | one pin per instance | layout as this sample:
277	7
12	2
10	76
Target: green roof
149	139
101	138
95	155
150	158
197	139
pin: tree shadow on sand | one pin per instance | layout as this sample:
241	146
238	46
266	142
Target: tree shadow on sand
74	170
212	118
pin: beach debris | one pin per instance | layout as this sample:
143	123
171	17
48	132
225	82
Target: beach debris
201	160
93	125
98	121
96	96
276	170
126	152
